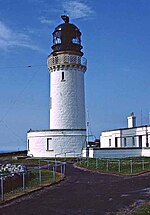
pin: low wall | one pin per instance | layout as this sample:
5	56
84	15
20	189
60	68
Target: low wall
146	152
115	152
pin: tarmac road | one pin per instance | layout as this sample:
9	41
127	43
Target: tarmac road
84	193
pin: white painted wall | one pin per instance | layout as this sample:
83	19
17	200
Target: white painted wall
146	152
108	139
131	121
85	152
116	153
128	137
60	141
67	109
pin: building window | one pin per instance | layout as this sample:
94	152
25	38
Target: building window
28	146
49	145
109	142
125	142
133	141
63	76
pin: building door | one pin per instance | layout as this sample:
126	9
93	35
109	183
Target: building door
140	141
116	142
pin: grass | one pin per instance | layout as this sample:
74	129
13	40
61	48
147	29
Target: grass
144	210
32	180
128	166
43	161
33	184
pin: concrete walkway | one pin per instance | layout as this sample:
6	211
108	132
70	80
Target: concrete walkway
86	193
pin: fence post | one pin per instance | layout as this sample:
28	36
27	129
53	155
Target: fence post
143	167
54	174
40	177
61	169
107	165
39	163
2	189
23	182
119	166
96	163
48	165
131	167
80	160
56	165
64	172
87	164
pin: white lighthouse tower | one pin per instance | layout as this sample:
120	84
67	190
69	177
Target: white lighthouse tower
67	133
67	103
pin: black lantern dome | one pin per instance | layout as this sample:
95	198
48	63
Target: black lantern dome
67	37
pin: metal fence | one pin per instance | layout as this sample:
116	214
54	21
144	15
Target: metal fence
45	173
65	155
128	166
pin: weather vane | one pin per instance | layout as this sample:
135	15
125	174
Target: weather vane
65	17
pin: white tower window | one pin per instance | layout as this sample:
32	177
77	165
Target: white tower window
63	76
49	145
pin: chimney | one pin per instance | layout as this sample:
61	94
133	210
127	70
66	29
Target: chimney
131	120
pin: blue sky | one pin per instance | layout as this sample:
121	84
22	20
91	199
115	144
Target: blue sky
116	40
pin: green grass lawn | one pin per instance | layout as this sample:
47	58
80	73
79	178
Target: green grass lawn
128	166
33	183
34	179
144	210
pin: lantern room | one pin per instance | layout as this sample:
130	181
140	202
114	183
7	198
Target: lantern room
67	37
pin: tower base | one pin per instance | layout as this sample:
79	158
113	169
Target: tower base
56	143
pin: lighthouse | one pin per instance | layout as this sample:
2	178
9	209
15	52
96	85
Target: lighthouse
66	135
66	67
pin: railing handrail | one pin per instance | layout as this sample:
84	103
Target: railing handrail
66	59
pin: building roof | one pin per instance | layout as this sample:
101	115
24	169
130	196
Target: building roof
140	126
44	130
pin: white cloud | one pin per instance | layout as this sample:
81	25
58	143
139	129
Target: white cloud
44	20
10	39
78	9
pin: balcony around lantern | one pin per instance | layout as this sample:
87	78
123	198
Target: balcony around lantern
66	59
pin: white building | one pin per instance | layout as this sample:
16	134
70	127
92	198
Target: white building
130	137
67	133
132	141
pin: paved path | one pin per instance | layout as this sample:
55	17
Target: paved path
83	193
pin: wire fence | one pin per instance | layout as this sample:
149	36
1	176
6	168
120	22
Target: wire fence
32	178
124	166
